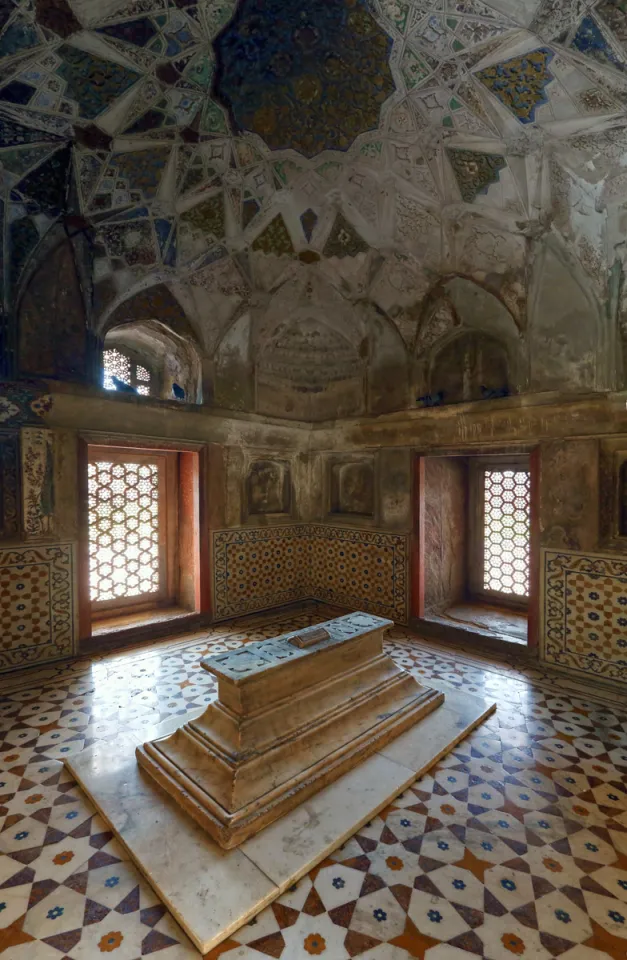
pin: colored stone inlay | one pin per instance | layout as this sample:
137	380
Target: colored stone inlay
520	827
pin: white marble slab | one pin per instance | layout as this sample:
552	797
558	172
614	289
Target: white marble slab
207	889
291	846
212	892
440	731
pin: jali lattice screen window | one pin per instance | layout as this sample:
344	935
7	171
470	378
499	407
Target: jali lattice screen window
500	529
127	527
506	531
125	368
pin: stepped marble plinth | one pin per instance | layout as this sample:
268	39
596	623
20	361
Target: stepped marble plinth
293	714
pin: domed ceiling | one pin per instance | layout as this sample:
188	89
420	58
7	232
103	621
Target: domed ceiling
310	77
362	149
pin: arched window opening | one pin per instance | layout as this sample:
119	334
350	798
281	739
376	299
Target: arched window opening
148	358
125	369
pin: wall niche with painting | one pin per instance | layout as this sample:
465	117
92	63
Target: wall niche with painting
351	486
268	490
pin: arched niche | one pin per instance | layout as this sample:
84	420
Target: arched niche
326	357
156	302
466	339
479	309
308	370
169	358
151	328
467	366
567	341
53	336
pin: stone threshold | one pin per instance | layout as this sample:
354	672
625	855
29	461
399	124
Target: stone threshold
470	636
152	625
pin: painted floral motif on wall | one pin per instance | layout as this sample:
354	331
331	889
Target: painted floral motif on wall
38	481
380	145
22	402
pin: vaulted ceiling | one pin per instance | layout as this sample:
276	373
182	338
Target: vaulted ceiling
315	161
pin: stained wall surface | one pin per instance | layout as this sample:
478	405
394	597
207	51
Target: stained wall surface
368	229
408	240
276	531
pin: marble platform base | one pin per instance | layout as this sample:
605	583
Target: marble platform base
213	892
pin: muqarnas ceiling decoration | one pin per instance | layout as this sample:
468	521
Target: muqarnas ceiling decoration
310	77
321	163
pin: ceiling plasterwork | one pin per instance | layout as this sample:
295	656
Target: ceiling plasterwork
222	148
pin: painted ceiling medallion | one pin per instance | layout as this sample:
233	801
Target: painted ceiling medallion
520	83
305	76
475	172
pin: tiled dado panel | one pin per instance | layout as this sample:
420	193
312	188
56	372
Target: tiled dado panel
255	569
36	604
358	568
584	611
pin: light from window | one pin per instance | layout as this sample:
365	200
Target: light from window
142	376
123	529
506	532
117	364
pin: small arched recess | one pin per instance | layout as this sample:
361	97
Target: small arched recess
155	348
468	345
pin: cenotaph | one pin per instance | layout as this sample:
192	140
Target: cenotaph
293	714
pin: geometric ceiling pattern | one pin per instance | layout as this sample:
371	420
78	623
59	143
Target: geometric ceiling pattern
301	75
377	143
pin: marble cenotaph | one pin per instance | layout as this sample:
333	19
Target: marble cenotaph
293	714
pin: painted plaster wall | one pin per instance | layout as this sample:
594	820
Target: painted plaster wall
314	550
569	494
580	443
432	231
39	553
260	557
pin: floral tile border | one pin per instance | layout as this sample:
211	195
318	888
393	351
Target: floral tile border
37	603
584	612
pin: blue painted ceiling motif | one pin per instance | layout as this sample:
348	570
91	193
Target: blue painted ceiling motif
310	76
520	83
589	39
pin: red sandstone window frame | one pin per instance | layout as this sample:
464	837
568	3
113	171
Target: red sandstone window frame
417	543
191	572
167	465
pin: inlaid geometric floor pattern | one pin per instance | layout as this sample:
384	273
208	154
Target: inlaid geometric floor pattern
515	846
